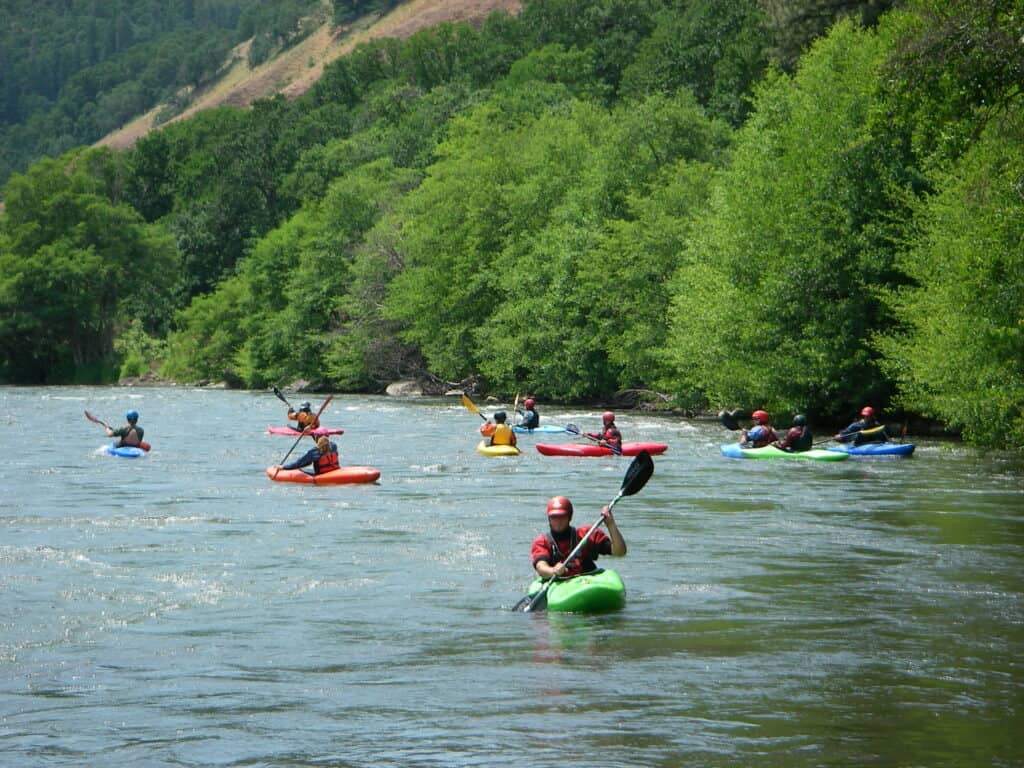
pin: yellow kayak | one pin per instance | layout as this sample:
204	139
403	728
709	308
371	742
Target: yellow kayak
496	450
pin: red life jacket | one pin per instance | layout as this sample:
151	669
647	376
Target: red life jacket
584	560
327	462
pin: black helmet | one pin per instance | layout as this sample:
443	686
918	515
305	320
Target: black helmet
499	417
307	406
799	419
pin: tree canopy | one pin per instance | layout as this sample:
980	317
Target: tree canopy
577	201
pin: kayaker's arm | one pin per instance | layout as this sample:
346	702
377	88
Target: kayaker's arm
618	543
547	571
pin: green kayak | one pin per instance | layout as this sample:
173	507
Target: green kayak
595	592
734	451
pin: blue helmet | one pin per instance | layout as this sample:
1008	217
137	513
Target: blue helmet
132	416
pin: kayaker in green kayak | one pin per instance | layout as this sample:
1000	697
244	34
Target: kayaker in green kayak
798	438
867	429
549	549
761	434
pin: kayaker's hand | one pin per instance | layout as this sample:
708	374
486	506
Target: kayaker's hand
606	514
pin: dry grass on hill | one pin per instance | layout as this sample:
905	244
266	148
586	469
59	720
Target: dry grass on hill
294	71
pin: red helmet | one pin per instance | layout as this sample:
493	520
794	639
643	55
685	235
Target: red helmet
761	416
529	403
559	505
867	411
607	417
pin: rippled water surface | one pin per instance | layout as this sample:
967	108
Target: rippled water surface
183	610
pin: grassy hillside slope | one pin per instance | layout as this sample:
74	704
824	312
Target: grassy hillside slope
293	71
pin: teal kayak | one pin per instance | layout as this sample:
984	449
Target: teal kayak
595	592
548	429
734	451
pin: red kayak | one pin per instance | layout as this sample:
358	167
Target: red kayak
295	433
593	449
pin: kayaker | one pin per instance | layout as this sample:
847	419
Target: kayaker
304	416
531	418
609	435
867	429
130	434
502	434
761	434
323	456
798	438
549	549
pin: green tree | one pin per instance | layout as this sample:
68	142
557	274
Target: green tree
961	356
778	297
77	264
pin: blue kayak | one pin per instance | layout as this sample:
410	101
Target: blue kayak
125	451
550	429
874	449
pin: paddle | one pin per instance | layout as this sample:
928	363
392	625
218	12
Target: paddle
515	409
469	404
637	475
730	419
142	444
305	432
283	399
572	429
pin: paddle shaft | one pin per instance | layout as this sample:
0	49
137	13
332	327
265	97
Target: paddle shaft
283	399
572	429
302	435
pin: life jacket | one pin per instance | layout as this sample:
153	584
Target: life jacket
531	420
584	560
804	440
503	435
765	437
612	436
327	462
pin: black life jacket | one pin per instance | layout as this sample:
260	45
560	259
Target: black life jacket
586	561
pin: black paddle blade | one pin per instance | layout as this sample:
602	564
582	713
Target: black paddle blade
639	472
728	419
526	604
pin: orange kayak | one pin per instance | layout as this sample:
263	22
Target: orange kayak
341	476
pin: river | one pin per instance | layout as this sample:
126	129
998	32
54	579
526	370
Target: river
182	610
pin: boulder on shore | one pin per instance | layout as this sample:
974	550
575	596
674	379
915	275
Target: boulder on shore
404	389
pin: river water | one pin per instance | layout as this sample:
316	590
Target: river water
182	610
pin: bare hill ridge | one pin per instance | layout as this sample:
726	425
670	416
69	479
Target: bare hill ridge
294	71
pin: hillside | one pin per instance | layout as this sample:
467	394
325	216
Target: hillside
293	71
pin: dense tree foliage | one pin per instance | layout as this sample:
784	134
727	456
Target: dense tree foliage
72	71
586	198
77	264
